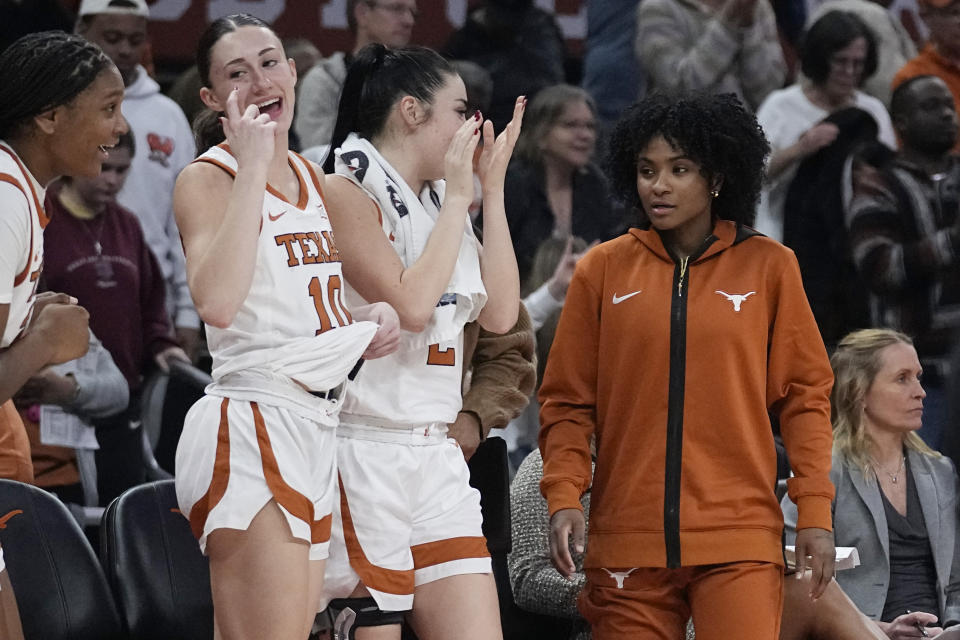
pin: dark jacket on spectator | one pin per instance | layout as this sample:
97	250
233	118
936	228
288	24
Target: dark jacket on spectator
595	216
813	226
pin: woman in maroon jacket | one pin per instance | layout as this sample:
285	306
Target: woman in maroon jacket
95	251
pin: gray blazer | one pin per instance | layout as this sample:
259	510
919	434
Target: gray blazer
859	521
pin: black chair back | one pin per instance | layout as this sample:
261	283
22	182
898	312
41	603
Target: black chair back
153	563
60	588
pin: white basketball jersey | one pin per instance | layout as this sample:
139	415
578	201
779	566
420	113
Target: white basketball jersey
407	388
297	288
14	172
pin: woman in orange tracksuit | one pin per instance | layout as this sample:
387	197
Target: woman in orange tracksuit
675	341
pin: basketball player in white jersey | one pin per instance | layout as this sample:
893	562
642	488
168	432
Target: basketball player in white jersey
55	119
409	521
255	464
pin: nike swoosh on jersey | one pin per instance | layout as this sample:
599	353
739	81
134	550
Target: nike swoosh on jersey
618	299
274	218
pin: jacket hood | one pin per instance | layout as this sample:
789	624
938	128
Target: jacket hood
334	66
726	233
144	86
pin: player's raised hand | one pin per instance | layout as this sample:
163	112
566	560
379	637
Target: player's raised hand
250	134
458	162
492	165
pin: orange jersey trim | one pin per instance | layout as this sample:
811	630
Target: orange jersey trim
20	277
41	214
429	554
295	503
221	475
313	175
217	163
304	194
394	581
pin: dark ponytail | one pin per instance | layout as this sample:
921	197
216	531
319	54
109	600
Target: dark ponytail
376	79
207	130
41	71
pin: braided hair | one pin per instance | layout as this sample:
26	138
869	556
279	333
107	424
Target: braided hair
716	131
44	70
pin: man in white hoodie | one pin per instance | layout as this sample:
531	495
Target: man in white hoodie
164	146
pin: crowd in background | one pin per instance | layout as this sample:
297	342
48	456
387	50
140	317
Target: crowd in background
862	183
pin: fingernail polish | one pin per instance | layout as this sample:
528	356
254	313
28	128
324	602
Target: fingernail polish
476	115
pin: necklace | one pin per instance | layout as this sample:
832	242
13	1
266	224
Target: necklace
894	477
95	238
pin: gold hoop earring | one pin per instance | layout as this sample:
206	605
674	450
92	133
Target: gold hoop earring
715	193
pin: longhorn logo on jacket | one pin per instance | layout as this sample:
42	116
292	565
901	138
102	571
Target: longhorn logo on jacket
736	298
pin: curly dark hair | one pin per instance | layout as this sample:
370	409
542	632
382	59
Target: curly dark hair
715	131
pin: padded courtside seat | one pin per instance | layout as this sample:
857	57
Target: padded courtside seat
153	563
60	588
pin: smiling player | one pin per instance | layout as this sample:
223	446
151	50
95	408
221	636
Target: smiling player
255	463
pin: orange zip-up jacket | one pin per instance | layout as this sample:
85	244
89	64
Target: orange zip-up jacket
674	366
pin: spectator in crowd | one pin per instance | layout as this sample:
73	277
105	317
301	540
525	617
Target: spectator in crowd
896	497
610	37
388	22
941	55
518	43
95	251
894	45
814	226
837	53
87	388
728	339
710	45
165	145
553	186
905	235
54	120
539	587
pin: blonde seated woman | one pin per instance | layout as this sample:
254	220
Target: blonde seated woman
895	497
